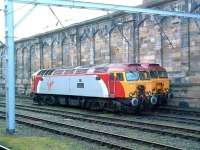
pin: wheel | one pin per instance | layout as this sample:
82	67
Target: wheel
38	100
43	100
50	100
82	103
164	101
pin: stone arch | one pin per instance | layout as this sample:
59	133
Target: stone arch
1	63
3	67
86	49
26	63
33	60
127	34
118	46
172	44
69	52
46	56
56	54
194	31
38	56
101	47
19	63
149	41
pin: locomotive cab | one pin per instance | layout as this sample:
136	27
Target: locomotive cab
35	78
162	83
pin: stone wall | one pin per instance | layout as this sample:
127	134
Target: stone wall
172	42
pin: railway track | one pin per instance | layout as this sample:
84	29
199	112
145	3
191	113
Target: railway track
182	111
174	131
159	115
87	134
166	109
166	116
173	118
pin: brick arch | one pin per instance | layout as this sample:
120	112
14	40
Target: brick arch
118	45
1	63
69	52
46	56
101	42
149	41
172	44
18	62
33	59
56	53
86	49
26	62
194	43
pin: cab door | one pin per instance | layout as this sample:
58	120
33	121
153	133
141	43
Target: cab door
112	85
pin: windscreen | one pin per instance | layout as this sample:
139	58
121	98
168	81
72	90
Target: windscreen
144	75
153	74
162	74
132	76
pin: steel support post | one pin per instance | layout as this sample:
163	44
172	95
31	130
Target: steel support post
10	80
161	44
41	47
93	49
78	46
110	48
134	38
138	43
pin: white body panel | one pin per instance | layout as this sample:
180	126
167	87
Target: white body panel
86	85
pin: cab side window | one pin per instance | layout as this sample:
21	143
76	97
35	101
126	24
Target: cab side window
42	72
112	77
120	77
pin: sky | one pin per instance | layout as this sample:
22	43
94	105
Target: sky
41	18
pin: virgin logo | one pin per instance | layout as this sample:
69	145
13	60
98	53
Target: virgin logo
50	83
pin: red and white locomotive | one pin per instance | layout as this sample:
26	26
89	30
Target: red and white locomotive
108	86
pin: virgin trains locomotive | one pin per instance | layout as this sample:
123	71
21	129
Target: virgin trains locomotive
118	87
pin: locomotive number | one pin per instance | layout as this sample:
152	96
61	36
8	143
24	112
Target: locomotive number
80	85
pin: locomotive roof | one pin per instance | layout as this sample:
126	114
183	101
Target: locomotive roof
90	69
124	67
107	68
153	67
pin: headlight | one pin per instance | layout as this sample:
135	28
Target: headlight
134	102
153	100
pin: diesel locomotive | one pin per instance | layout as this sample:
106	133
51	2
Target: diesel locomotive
118	87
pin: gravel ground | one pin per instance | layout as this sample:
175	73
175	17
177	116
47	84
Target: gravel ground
129	124
28	132
126	116
96	136
134	133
